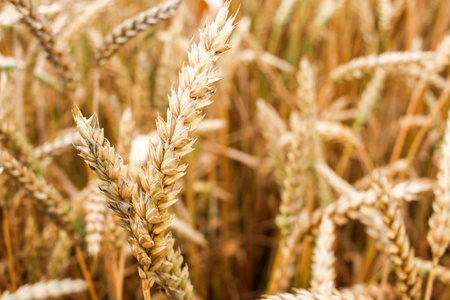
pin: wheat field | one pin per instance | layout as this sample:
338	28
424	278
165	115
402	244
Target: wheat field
211	149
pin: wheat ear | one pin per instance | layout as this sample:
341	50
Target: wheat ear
312	294
126	128
95	208
128	29
400	251
39	27
47	289
61	143
388	61
323	274
47	196
144	213
14	141
127	201
439	233
196	86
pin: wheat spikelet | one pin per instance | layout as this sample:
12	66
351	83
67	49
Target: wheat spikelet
29	90
91	10
187	233
388	61
126	128
95	208
66	139
114	234
369	98
323	274
47	289
312	294
39	27
274	130
367	24
335	131
12	139
284	12
169	62
339	211
439	233
131	27
401	253
46	195
32	250
441	272
441	58
60	254
293	184
325	11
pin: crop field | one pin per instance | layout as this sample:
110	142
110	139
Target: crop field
216	149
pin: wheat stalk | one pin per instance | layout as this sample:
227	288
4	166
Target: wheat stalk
128	29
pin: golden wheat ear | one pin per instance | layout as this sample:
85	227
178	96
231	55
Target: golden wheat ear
40	28
128	29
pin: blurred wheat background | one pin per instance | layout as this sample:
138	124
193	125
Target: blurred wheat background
320	170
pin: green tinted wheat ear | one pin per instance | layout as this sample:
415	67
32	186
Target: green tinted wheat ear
131	27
